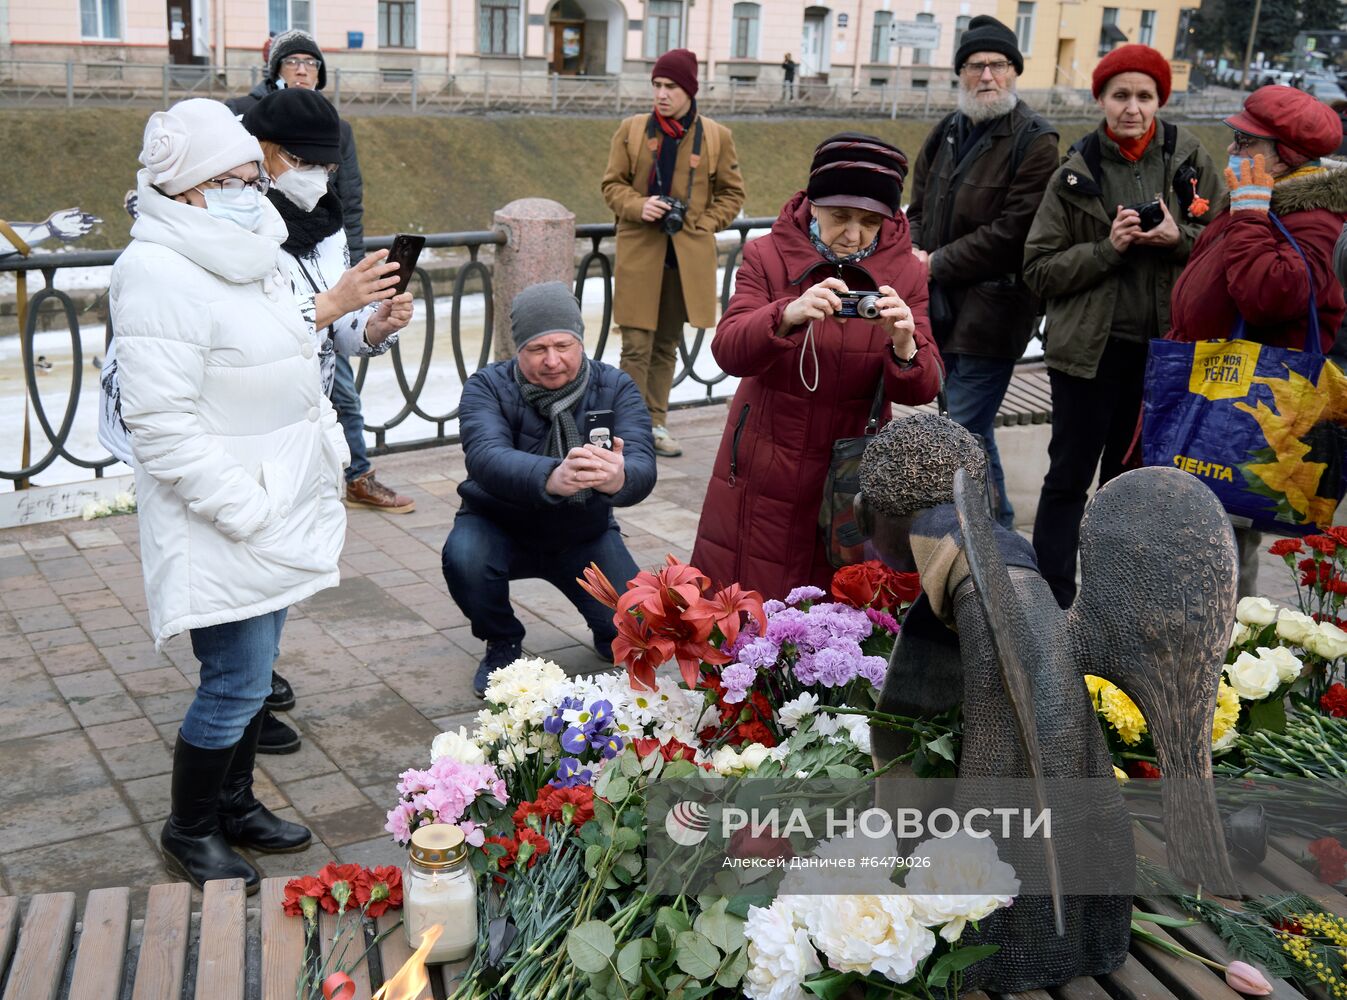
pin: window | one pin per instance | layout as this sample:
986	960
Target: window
960	26
663	26
1109	30
1147	34
397	24
745	38
498	28
881	43
101	18
922	57
1024	25
282	15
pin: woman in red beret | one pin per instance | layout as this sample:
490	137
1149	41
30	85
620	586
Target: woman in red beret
1112	233
1243	265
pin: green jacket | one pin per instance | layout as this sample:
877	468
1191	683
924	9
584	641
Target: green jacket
1070	263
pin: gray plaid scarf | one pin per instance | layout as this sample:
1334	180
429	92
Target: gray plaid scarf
557	406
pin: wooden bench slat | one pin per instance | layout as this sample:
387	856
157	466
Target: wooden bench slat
1134	981
102	947
163	942
44	942
1183	976
355	944
1080	988
282	943
393	950
220	969
9	927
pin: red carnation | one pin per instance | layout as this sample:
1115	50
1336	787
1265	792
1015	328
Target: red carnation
1338	533
532	846
511	847
380	890
1286	547
531	814
341	882
309	887
1332	858
1322	543
573	805
1143	769
1334	701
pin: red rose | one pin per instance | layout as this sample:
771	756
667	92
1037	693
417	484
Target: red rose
1334	701
857	585
380	890
907	586
677	750
341	882
1322	543
1286	547
309	886
1143	769
1332	858
744	845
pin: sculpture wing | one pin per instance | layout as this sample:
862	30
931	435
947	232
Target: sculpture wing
997	596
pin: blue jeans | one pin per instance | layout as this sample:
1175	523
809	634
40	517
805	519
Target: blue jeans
480	558
975	387
236	660
346	401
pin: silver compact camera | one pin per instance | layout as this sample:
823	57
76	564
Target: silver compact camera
859	305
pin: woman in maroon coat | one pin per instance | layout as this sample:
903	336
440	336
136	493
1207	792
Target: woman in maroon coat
809	378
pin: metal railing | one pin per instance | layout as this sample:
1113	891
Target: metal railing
29	83
411	374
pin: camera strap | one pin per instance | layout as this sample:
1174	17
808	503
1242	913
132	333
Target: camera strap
652	141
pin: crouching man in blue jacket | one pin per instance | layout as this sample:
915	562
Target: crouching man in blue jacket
538	501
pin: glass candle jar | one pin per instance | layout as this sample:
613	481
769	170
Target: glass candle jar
438	887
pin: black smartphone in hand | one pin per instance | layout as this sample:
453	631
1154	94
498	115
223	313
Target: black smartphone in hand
406	249
599	428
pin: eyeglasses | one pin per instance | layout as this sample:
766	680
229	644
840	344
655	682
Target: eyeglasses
1243	141
999	68
261	183
299	164
295	62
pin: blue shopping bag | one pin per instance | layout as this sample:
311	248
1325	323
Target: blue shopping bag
1264	427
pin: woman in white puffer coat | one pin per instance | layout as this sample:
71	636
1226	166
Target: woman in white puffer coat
238	459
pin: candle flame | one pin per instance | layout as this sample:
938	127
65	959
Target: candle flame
411	981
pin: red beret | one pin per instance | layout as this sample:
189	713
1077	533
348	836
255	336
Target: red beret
1300	124
680	66
1134	59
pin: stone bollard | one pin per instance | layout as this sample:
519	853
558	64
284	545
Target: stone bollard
540	247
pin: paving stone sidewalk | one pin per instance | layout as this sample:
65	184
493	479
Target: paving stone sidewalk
89	710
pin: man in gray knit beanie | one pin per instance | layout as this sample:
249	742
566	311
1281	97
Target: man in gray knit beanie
539	496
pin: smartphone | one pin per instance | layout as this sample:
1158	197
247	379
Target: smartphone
599	428
406	250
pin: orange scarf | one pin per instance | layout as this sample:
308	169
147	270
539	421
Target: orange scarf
1133	149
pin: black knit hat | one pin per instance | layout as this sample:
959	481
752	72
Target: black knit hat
987	34
295	42
859	171
300	121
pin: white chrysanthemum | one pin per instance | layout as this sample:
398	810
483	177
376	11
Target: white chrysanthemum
525	687
868	933
456	746
796	710
858	728
964	880
780	956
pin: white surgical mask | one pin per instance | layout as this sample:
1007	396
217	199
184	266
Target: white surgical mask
242	207
303	185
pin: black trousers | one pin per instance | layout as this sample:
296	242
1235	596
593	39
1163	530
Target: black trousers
1094	421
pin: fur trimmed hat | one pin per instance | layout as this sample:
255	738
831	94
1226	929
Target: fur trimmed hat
1134	59
857	170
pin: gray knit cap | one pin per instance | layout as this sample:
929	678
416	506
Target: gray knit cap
295	42
542	309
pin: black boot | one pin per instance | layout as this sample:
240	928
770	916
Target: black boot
244	820
192	843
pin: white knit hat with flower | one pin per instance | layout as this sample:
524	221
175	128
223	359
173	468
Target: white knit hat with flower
194	141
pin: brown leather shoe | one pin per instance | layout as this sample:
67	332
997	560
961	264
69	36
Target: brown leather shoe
366	491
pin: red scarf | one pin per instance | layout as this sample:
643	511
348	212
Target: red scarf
671	127
1133	149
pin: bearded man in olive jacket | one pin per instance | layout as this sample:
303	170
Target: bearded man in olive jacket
976	186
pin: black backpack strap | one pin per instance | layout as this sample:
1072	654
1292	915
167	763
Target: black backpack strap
1032	128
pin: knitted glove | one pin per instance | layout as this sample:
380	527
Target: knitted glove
1251	189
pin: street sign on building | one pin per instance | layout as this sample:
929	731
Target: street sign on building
915	34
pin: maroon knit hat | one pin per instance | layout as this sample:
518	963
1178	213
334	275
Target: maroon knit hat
680	66
1134	59
1302	126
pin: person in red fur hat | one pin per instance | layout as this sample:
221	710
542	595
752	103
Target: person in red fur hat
1106	270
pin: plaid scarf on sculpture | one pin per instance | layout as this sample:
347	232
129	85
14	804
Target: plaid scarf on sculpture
556	406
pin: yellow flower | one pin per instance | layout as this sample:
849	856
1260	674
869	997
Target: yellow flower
1118	710
1227	714
1121	775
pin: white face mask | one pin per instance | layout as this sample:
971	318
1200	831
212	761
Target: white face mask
303	185
242	207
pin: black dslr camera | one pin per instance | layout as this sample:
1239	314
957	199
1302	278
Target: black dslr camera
1151	214
859	305
672	220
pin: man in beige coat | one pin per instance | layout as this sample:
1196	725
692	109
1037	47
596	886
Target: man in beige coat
665	165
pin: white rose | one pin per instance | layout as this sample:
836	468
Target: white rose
1239	634
1256	611
1252	677
752	756
780	956
1328	641
456	746
1287	663
1295	627
726	761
